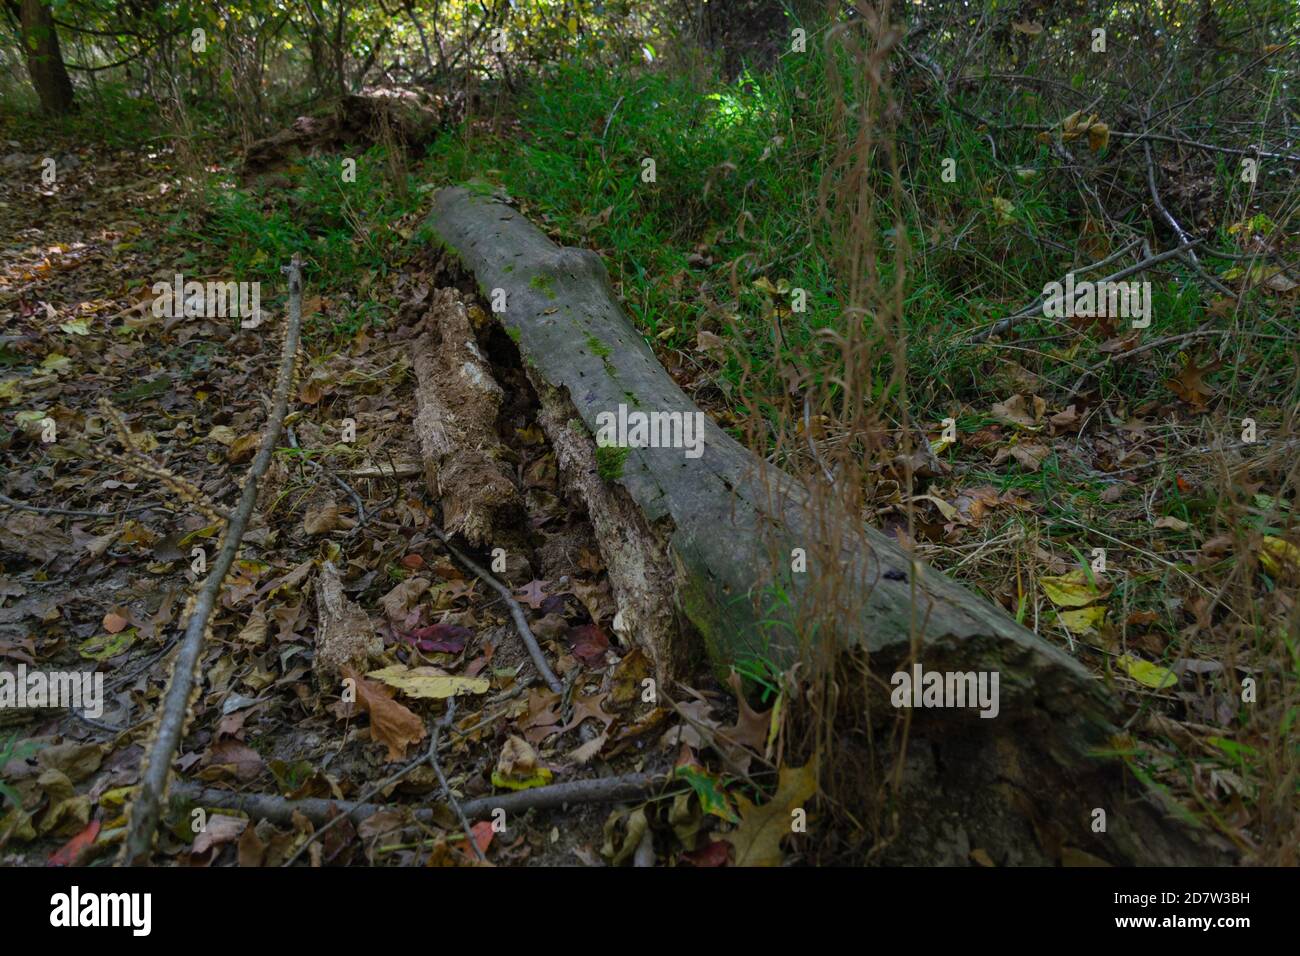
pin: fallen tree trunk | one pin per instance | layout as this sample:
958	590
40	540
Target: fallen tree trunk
701	547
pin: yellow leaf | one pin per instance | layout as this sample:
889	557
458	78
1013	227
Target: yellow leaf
223	434
54	362
1098	137
9	391
538	778
1148	674
1071	590
429	682
1004	208
1274	553
1083	620
76	327
757	841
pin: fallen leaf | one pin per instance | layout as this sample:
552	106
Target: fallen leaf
1146	673
757	840
1073	589
390	722
1085	620
67	854
429	682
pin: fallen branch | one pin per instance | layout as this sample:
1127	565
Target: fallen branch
1035	307
280	810
727	525
1176	226
146	808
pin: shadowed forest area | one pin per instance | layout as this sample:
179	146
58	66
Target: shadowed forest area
658	433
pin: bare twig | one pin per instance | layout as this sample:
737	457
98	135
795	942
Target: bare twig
146	809
362	516
1035	307
1173	223
516	612
72	512
430	757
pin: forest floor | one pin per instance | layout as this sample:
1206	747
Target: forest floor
100	557
108	511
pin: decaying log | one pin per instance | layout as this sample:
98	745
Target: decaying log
699	551
457	401
345	635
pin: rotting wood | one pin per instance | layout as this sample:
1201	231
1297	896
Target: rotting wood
457	402
726	524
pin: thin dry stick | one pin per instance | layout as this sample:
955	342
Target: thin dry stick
72	512
171	722
430	757
1033	309
516	612
1173	224
362	516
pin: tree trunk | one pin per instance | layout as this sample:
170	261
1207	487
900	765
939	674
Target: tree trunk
44	61
699	552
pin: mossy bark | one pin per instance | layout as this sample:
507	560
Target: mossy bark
726	523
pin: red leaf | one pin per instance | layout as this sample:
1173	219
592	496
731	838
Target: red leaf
532	594
483	833
67	854
589	644
440	638
412	561
715	854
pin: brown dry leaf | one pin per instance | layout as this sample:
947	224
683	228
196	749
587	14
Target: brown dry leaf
242	448
390	723
587	751
757	840
751	727
710	344
325	520
1013	412
1172	523
1030	28
220	829
518	758
1030	456
1189	384
1066	419
398	602
114	622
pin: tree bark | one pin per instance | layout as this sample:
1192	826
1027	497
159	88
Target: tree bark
44	61
699	553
